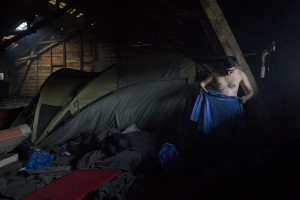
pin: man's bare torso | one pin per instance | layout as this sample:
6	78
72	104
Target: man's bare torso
227	80
228	84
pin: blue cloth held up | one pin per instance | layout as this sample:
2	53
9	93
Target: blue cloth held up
218	114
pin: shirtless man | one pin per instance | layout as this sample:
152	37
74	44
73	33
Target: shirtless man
228	80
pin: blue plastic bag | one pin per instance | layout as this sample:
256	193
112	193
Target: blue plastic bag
170	160
39	160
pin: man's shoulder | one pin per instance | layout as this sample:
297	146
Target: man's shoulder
241	72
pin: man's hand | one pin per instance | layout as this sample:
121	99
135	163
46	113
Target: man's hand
202	89
244	99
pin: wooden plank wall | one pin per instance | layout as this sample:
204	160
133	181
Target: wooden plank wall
79	52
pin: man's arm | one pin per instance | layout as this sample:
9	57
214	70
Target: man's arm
247	88
205	82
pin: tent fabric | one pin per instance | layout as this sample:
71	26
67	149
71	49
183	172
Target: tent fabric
149	89
100	86
155	66
152	105
69	82
218	114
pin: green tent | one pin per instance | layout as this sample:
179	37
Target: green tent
150	91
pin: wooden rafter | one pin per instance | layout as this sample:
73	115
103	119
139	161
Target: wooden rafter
32	56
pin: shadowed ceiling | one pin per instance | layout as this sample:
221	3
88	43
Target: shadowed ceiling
254	23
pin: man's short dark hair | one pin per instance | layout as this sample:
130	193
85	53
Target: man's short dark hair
230	61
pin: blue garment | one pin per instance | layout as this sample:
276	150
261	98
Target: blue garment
218	114
171	160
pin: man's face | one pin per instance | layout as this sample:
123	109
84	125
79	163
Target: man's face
230	70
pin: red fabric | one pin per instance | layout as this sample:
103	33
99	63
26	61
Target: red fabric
75	185
7	116
10	133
